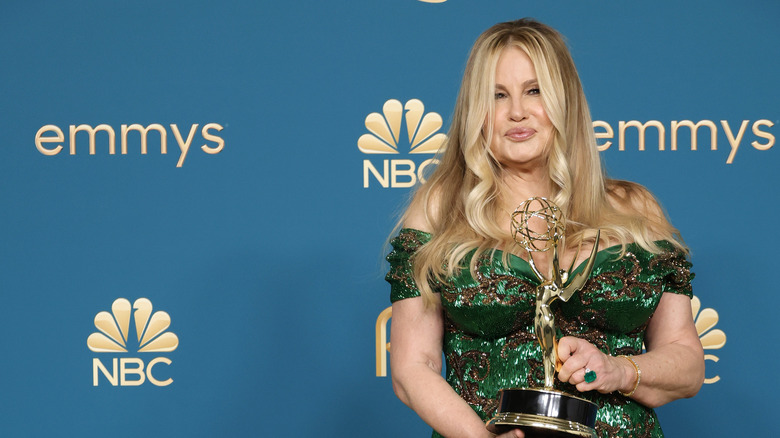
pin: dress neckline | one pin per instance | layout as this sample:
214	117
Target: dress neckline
520	264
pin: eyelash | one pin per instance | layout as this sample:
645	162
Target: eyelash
501	94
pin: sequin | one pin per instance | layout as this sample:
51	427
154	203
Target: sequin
489	342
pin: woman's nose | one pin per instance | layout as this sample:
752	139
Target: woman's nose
517	110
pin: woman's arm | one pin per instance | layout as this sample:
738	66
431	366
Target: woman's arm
416	334
675	359
672	368
416	339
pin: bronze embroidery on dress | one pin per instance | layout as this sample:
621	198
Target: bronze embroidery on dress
516	339
631	283
613	398
646	430
536	376
488	286
478	366
450	327
409	241
582	330
611	430
403	278
681	278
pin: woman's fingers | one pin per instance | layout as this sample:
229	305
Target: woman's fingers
514	433
587	367
575	354
566	347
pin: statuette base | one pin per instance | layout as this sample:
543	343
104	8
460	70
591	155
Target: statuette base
544	413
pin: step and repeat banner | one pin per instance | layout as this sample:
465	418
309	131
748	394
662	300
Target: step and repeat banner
196	198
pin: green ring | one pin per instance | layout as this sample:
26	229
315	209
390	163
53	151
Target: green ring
590	376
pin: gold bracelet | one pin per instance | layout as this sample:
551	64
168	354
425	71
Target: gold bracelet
638	376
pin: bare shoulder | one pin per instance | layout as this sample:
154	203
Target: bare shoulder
423	208
639	211
632	199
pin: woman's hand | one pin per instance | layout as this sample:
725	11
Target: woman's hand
514	433
416	363
577	355
672	367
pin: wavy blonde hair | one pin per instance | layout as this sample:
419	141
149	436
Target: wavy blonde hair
461	201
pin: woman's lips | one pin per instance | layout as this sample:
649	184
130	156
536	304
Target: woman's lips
520	134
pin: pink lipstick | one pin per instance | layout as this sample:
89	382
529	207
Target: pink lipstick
520	134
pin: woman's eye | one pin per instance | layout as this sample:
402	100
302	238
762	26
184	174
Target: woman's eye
533	91
500	95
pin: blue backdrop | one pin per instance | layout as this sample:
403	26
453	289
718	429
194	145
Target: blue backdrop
264	245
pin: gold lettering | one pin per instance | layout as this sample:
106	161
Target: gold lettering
39	138
714	359
91	131
409	171
154	381
763	134
144	131
383	179
138	371
182	145
641	132
423	165
733	142
608	133
694	131
97	365
382	346
211	137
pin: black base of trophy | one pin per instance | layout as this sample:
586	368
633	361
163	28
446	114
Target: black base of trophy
544	413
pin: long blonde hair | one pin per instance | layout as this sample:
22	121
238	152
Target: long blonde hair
461	199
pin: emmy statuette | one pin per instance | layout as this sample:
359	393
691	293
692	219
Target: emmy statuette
546	412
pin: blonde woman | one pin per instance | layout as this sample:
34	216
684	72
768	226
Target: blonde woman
463	289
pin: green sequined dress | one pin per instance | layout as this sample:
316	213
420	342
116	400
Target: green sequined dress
489	340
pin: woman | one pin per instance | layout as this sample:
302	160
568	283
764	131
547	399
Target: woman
461	286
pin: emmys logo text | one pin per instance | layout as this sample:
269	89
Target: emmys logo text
114	337
734	136
49	139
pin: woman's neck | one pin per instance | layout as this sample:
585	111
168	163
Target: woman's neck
518	187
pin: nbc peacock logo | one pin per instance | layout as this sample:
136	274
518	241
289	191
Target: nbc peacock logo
705	320
385	137
151	336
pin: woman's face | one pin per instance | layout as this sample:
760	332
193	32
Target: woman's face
522	132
